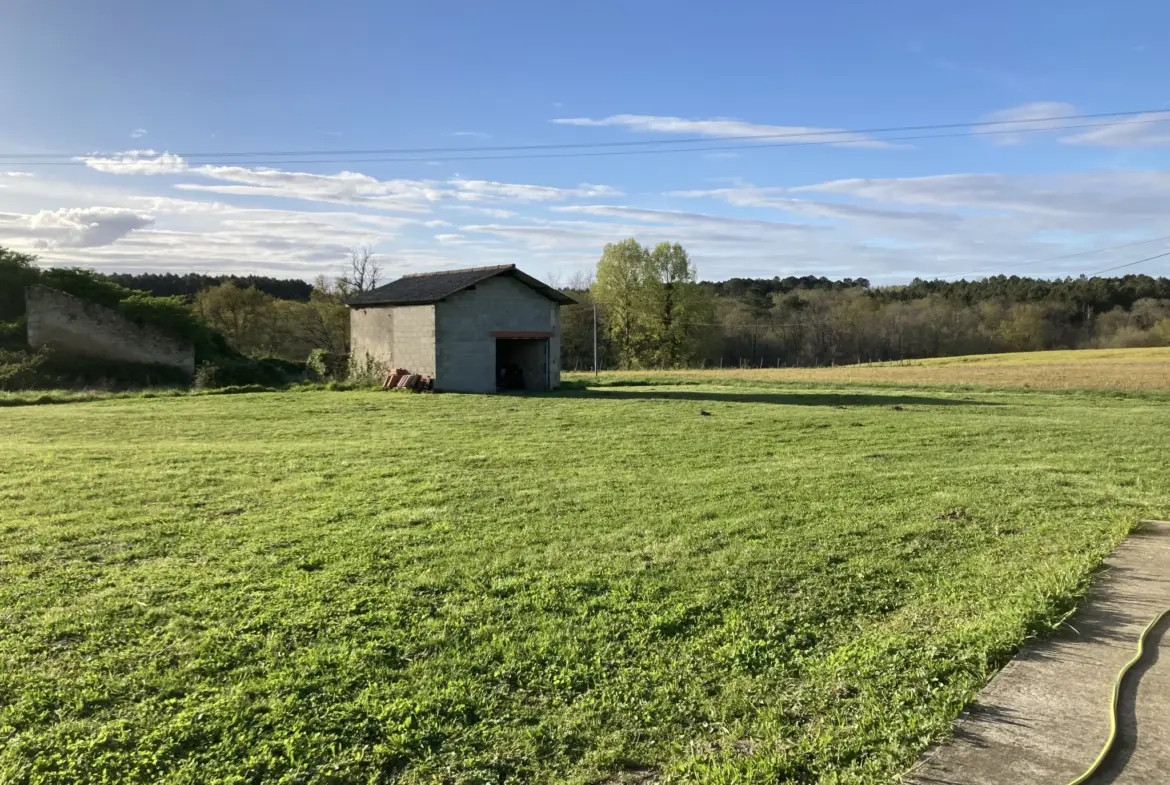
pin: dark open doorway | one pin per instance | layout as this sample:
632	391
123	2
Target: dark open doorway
522	364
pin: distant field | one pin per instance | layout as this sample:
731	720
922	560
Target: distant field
590	587
1114	369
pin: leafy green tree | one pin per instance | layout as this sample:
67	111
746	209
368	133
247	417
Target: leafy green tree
17	270
620	290
674	307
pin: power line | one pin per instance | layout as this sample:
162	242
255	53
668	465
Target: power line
1058	258
585	149
691	140
1129	264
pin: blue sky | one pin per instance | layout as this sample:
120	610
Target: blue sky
124	92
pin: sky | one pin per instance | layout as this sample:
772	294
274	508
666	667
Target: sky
155	136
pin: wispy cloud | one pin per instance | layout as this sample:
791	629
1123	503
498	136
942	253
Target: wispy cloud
472	134
345	187
1145	130
727	127
1041	116
138	133
136	162
1151	129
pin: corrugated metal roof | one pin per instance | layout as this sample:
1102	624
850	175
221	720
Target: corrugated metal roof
423	288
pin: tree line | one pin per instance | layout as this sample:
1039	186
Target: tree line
652	312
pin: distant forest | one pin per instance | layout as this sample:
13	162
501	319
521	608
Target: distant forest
190	284
784	321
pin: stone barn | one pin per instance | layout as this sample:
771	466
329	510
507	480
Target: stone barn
478	330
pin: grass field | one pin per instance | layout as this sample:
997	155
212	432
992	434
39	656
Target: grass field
1113	369
608	587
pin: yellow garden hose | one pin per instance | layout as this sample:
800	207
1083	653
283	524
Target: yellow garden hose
1111	742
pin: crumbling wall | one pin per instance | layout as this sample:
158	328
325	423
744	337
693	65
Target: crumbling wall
73	326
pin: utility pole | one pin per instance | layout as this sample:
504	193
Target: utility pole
595	371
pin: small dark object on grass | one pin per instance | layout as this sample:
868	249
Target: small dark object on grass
954	515
309	566
233	511
703	413
899	408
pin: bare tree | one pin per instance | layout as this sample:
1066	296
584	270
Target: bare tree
362	273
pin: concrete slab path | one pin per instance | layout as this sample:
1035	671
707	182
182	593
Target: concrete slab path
1045	716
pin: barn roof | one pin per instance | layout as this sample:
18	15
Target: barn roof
423	288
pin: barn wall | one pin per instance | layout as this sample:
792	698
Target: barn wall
74	326
401	336
465	347
371	336
414	338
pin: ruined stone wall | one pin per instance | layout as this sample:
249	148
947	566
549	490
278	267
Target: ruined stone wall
73	326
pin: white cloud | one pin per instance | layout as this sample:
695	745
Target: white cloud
478	190
726	127
16	174
493	212
473	134
1040	116
73	227
162	233
1151	129
136	162
747	195
138	133
1078	200
345	187
353	188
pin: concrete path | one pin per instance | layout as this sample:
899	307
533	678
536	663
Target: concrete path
1043	719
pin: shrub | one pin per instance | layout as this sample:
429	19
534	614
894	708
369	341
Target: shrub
366	371
46	370
243	372
14	335
327	366
169	314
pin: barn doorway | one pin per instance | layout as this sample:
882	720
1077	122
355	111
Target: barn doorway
521	364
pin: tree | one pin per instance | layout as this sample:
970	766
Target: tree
244	316
577	325
674	306
620	290
325	324
362	273
17	270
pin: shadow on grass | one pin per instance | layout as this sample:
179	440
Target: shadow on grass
780	398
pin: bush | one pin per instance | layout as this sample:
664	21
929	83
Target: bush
366	371
48	370
244	372
169	314
14	335
327	366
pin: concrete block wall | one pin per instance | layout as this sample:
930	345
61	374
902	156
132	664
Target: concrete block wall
71	325
401	336
371	335
414	338
465	347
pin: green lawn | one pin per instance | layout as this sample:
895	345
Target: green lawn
377	587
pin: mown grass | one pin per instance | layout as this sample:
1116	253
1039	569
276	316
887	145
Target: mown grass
1081	369
313	587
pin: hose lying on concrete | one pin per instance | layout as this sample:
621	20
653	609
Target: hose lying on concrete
1111	742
